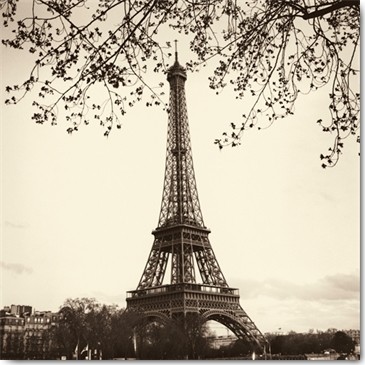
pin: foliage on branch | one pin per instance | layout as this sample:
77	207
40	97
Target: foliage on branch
91	58
277	50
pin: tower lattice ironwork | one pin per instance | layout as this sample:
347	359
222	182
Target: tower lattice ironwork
182	244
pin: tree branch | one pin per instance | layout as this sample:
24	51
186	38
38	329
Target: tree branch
330	8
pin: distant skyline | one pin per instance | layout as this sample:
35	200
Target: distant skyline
78	211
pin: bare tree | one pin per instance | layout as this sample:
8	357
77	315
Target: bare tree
270	51
85	323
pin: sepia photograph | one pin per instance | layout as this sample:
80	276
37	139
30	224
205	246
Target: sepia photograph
180	180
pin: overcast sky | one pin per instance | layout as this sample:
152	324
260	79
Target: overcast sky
78	211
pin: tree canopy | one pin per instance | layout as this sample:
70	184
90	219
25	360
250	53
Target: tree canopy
85	324
268	51
342	342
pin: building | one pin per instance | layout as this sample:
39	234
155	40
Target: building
25	334
38	334
20	310
222	341
11	337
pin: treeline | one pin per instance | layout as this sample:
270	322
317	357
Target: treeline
87	329
126	334
292	344
306	343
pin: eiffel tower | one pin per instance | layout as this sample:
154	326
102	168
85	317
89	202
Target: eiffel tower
181	239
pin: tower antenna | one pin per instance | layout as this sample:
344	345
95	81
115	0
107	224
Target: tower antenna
175	50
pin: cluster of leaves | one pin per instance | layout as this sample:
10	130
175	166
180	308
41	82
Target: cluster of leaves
268	50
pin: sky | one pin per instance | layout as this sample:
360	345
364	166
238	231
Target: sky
77	210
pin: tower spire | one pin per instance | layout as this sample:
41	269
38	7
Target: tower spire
176	58
180	203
